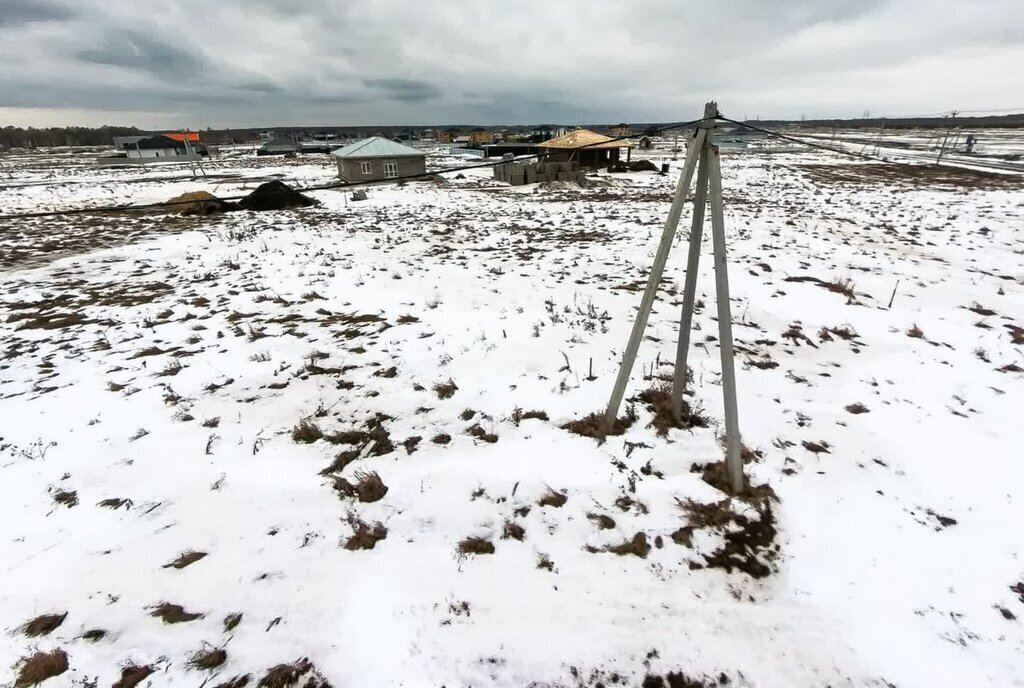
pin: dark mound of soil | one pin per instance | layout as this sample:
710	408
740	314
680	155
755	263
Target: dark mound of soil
275	195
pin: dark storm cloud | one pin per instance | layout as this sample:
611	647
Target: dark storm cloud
137	50
404	89
14	12
232	62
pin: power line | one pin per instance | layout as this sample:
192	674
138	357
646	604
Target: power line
804	142
325	187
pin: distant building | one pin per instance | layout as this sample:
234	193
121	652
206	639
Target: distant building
621	129
165	146
280	146
448	135
584	147
378	159
125	142
480	136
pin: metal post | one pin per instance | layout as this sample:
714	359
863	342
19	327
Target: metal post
671	222
690	285
732	430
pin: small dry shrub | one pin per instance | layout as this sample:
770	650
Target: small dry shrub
368	487
594	425
476	545
185	559
173	613
36	668
445	390
552	498
513	531
68	498
207	659
133	675
43	625
602	521
306	432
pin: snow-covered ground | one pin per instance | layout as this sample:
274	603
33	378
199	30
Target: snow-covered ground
230	385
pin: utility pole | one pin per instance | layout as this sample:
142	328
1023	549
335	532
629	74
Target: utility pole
702	157
942	148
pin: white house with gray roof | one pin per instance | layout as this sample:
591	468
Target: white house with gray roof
378	159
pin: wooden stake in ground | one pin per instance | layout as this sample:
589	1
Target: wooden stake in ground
701	153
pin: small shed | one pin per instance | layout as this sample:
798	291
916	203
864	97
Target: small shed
587	148
645	143
164	146
378	159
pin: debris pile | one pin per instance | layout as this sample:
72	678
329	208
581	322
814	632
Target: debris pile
275	195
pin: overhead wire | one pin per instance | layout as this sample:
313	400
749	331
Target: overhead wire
332	185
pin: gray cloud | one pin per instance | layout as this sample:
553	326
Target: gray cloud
265	62
136	50
404	89
14	12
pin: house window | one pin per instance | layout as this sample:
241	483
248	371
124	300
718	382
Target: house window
366	167
390	169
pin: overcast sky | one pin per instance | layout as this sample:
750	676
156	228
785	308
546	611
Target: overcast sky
199	63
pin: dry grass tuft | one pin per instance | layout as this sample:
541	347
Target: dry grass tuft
208	659
477	431
915	332
857	408
519	415
285	675
43	625
236	682
231	621
368	487
94	635
594	425
659	402
116	503
185	559
68	498
441	438
637	546
513	531
306	432
364	535
173	613
602	521
36	668
544	562
132	676
476	545
552	498
700	515
445	390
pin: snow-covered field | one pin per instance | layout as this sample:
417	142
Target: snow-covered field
331	438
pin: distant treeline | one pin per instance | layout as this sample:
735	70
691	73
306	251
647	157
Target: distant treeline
17	137
992	121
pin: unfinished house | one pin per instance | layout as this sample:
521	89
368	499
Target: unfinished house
378	159
584	147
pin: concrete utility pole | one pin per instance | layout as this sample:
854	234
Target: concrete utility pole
701	156
945	139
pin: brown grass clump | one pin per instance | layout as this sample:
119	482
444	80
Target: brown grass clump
441	438
43	625
915	332
40	666
208	659
749	548
842	286
116	503
700	515
94	635
173	613
552	498
231	621
342	460
236	682
364	535
519	415
68	498
602	521
132	676
544	562
285	675
368	487
185	559
306	432
637	546
411	443
980	310
857	408
445	390
477	431
594	425
513	531
659	402
476	545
